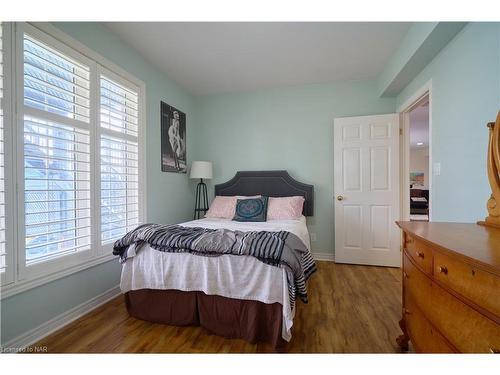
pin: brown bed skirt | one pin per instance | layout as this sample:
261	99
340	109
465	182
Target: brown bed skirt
252	321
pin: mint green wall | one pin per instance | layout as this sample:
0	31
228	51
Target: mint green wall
421	44
169	195
465	96
288	129
413	39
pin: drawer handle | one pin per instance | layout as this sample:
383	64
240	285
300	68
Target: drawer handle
443	269
494	351
405	275
420	254
407	312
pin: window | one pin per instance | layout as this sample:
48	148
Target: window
56	154
77	156
54	82
57	189
119	159
119	108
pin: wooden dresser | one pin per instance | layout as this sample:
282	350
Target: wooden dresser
451	288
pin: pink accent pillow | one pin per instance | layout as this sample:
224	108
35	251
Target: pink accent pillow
225	207
285	208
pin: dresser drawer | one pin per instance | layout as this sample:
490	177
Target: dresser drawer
478	286
419	252
468	330
416	284
425	338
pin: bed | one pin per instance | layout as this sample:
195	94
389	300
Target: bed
419	202
231	296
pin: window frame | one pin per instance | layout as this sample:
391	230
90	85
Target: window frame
8	277
26	277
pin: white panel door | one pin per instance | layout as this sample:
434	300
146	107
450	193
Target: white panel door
366	170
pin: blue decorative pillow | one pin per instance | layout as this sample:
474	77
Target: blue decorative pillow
252	209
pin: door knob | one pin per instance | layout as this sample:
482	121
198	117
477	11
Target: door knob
340	197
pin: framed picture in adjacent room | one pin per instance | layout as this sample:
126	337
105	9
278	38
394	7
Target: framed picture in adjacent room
417	179
173	139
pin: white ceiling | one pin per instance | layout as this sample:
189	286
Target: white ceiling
213	58
419	126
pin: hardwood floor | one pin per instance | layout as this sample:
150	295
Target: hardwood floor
352	309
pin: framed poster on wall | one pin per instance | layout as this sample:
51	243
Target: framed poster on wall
173	139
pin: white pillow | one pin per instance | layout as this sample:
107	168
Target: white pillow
285	208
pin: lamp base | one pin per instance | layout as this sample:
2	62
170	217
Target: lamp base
201	201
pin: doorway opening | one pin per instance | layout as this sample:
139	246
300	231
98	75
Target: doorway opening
416	157
419	162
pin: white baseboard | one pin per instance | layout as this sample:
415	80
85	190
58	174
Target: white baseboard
36	334
329	257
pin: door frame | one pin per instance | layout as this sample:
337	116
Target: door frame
422	94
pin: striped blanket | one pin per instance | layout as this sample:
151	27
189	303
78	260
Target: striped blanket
279	249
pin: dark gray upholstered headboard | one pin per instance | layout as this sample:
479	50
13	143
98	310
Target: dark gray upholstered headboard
270	184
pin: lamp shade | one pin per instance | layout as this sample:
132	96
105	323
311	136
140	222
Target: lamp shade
201	169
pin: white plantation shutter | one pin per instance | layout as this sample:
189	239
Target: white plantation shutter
119	107
2	165
57	189
56	150
119	159
54	82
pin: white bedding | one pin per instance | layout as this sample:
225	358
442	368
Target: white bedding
240	277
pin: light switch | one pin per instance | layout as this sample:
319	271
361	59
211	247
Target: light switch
313	237
436	169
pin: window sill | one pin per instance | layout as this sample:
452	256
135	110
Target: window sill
14	288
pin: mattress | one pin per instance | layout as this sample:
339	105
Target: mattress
238	277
